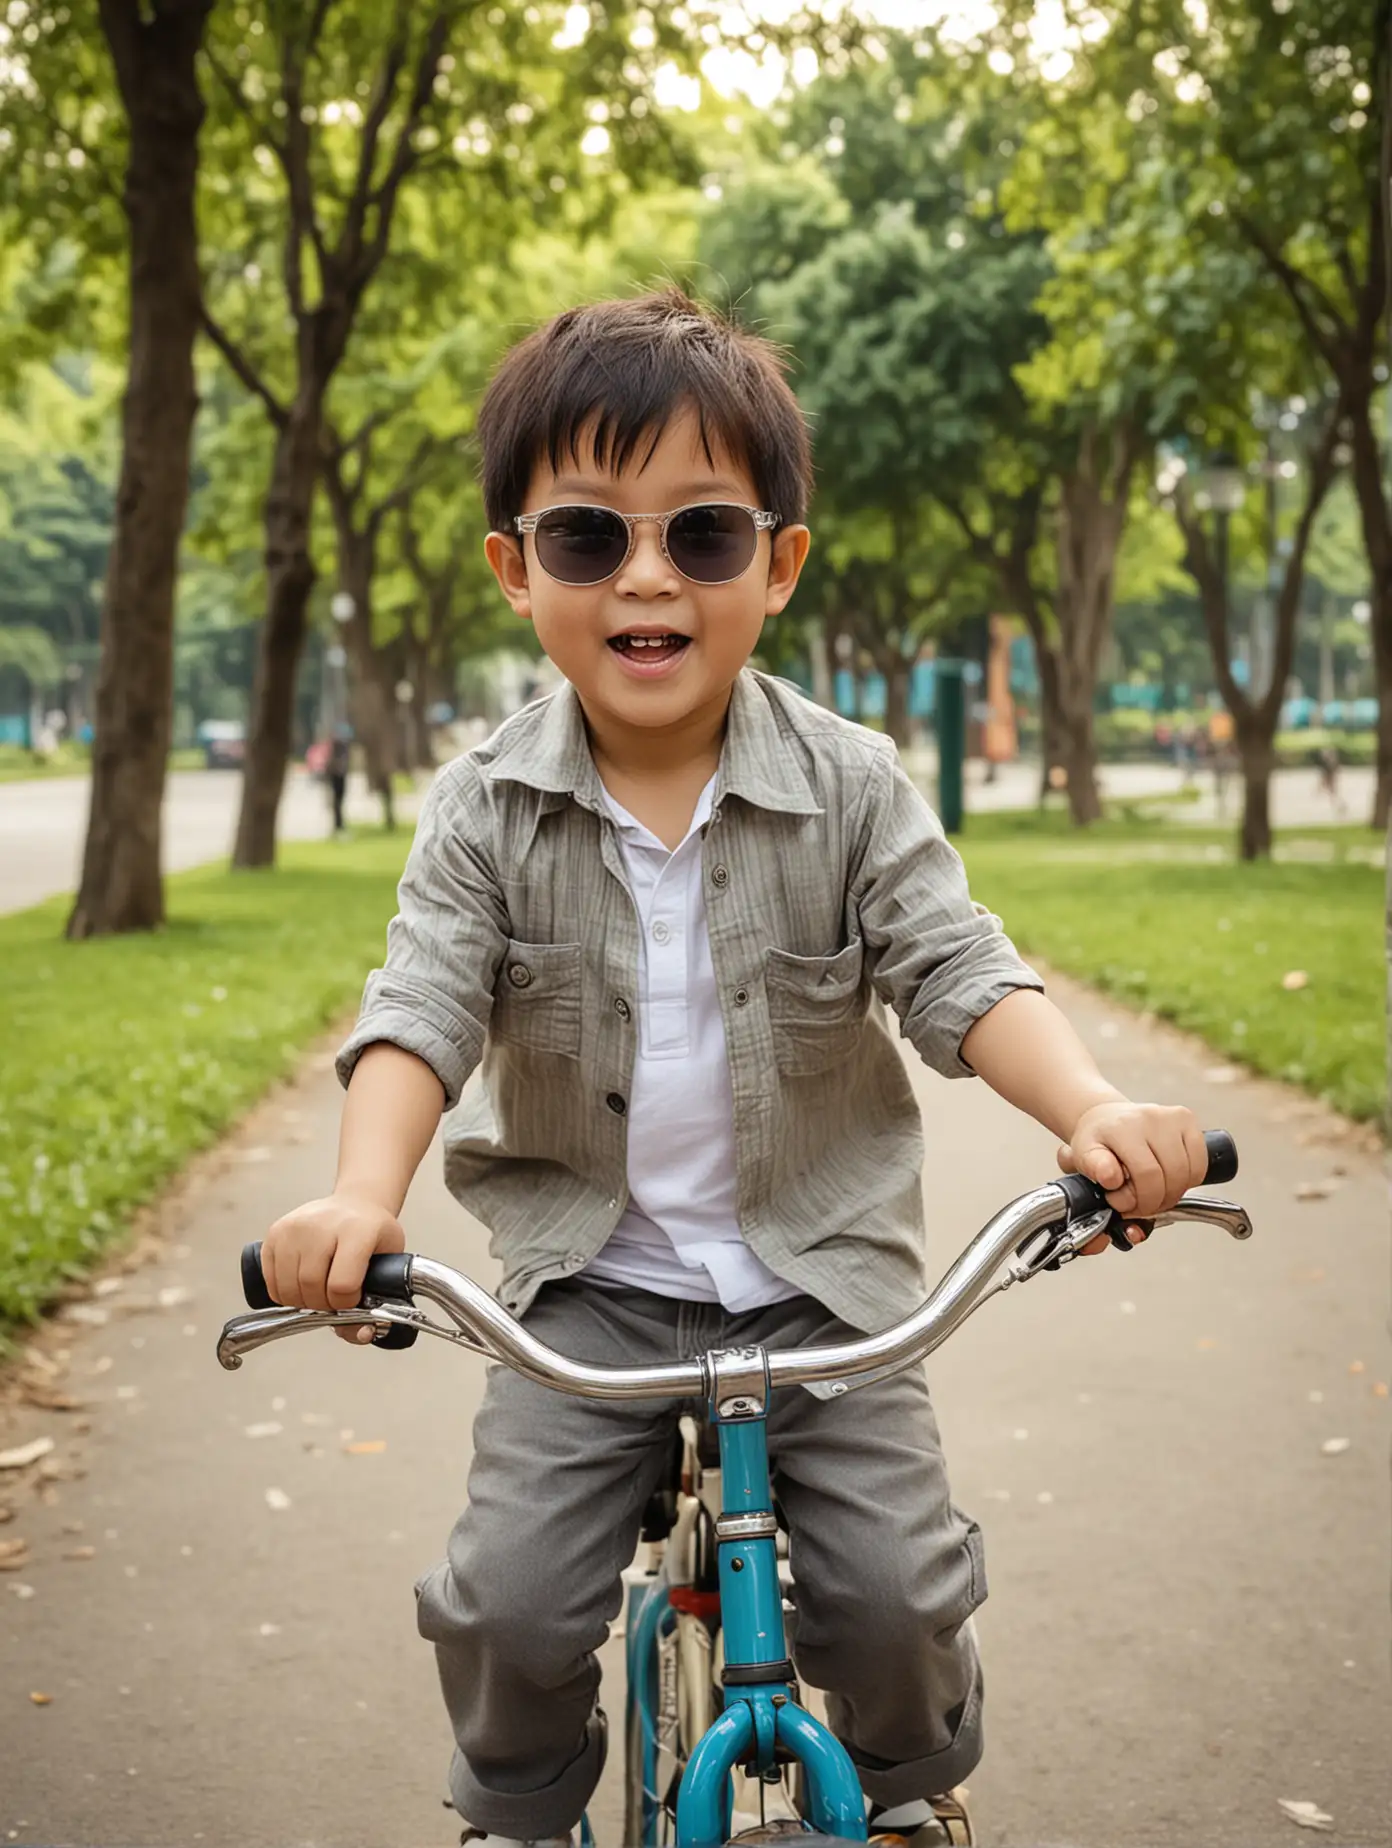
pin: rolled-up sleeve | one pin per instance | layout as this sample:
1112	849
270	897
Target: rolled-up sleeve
939	960
434	994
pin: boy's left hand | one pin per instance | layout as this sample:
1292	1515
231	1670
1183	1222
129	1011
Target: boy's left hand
1146	1156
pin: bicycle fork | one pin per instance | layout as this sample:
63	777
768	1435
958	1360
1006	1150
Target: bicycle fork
760	1716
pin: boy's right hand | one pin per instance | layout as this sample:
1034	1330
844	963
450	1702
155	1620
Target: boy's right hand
317	1256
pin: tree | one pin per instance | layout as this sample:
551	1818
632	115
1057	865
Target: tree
1256	710
1275	117
150	126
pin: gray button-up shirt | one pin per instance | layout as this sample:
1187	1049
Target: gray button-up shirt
830	893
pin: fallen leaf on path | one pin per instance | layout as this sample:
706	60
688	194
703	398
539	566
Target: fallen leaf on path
42	1700
269	1429
172	1297
1207	1341
25	1454
1308	1815
269	1629
102	1365
1356	1366
315	1418
1379	1389
260	1153
81	1552
88	1314
1334	1446
1314	1190
106	1286
1222	1074
1294	979
277	1499
47	1399
1127	1308
6	1513
13	1554
22	1591
370	1447
1044	1496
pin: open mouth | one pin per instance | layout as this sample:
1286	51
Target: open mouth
649	650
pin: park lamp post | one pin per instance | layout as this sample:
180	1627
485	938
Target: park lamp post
343	608
1221	488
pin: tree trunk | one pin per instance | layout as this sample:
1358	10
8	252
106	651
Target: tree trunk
121	887
376	726
1091	521
1256	745
290	578
897	674
1079	758
1050	719
1376	519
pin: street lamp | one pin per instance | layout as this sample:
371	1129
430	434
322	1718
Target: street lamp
1222	487
343	608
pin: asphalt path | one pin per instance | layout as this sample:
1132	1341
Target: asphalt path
43	825
1179	1457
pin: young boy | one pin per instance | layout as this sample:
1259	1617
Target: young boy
663	908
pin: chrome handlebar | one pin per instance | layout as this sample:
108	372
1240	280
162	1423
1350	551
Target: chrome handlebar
1033	1233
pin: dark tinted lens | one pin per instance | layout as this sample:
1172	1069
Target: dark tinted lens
712	544
581	545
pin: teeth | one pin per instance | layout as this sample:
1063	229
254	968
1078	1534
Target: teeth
650	641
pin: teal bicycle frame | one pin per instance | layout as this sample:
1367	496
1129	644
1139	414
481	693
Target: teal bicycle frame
761	1725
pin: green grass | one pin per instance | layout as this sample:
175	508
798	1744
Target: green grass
18	765
123	1056
1165	918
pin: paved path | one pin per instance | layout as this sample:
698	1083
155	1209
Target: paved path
43	825
1297	800
1188	1616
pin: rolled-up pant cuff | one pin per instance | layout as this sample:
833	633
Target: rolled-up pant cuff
533	1815
890	1785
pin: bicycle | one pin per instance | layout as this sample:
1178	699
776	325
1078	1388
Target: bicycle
710	1685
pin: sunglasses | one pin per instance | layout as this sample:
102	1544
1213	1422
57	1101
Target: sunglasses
711	543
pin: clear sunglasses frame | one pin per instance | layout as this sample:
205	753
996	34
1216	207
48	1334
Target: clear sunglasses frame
763	522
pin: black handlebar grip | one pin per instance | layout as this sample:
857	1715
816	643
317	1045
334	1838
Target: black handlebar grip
388	1276
1222	1158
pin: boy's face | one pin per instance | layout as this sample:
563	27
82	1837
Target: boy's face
580	626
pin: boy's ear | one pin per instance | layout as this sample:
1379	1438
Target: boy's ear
504	554
790	548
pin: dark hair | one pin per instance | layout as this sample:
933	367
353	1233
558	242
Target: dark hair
629	367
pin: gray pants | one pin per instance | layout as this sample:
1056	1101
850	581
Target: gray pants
887	1569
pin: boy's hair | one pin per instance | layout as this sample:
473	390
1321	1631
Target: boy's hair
629	366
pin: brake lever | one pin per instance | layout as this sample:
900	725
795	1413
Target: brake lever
1060	1244
254	1330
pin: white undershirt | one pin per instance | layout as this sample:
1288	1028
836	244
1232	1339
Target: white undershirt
680	1233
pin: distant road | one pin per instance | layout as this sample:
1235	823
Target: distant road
43	825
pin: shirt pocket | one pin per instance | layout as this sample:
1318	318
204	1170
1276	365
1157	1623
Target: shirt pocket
817	1008
536	1004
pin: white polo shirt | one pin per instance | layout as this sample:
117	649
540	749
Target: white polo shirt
680	1233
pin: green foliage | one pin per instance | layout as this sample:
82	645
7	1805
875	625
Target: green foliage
1163	917
126	1055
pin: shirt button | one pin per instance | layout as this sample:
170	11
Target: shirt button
660	932
719	876
520	975
621	1007
574	1261
617	1104
614	1201
741	997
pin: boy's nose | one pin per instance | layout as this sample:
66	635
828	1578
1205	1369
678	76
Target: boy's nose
647	572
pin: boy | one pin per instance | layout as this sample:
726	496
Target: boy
655	906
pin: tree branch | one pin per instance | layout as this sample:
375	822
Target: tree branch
405	157
1295	283
243	367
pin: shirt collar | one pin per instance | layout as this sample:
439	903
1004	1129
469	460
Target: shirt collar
553	753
